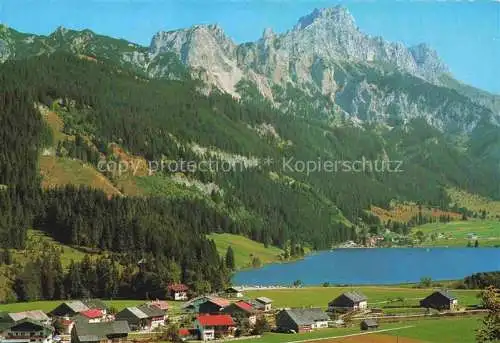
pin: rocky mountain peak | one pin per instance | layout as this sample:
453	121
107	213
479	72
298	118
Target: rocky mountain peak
427	59
338	15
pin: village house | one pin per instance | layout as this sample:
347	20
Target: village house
144	317
301	320
234	292
161	304
263	304
67	312
440	300
108	332
194	304
36	315
348	301
369	324
25	331
70	309
178	292
212	327
90	316
213	305
242	309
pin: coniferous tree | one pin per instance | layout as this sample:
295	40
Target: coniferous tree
230	262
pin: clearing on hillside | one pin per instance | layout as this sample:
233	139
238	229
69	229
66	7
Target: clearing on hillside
245	250
405	212
60	171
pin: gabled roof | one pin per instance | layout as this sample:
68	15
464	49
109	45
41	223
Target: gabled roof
161	304
264	300
95	303
219	301
151	311
46	328
178	287
198	300
138	313
99	331
76	306
243	305
215	320
355	296
370	322
307	316
92	313
234	289
445	294
35	315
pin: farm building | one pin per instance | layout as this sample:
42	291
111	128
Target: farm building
242	308
369	324
264	304
234	292
25	330
301	319
143	317
212	327
440	300
90	316
213	305
161	304
194	304
178	291
116	332
37	315
69	309
348	301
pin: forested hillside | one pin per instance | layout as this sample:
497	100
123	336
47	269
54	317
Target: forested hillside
103	104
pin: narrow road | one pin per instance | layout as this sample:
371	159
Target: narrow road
352	335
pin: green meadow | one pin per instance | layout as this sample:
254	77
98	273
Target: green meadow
245	250
455	234
378	296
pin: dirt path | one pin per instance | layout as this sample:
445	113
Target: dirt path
375	338
351	336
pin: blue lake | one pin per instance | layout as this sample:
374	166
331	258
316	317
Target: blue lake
375	266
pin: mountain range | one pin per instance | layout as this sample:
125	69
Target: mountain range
321	90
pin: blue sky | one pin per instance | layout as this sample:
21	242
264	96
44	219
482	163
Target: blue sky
466	34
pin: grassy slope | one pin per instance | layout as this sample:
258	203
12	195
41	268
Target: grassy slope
474	202
57	171
245	249
320	296
453	330
405	212
455	233
37	240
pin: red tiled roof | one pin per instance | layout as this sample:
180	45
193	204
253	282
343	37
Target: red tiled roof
92	314
245	306
219	301
216	320
178	287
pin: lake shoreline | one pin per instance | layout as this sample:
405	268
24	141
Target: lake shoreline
374	266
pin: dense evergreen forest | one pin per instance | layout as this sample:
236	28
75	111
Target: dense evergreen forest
102	103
